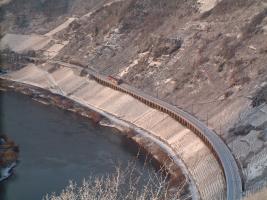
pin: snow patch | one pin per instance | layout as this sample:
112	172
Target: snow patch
6	172
60	27
134	62
206	5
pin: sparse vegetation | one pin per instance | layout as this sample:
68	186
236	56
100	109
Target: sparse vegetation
260	97
128	184
22	21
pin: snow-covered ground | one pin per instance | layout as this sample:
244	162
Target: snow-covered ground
6	172
206	5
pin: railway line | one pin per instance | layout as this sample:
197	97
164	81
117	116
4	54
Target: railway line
211	139
219	149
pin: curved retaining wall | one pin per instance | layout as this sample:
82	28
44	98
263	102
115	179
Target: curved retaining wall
211	139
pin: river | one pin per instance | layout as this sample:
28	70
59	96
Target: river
56	146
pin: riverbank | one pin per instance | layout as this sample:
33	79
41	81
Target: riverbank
187	149
136	138
8	157
6	172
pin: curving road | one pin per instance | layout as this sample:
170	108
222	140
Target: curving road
215	143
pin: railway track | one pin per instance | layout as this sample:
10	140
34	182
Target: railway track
211	139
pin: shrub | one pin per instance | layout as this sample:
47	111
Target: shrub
126	184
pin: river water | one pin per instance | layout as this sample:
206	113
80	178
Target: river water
55	146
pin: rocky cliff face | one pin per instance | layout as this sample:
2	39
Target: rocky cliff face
208	57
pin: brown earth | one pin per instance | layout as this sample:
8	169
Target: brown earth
8	151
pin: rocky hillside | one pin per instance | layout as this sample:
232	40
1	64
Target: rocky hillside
208	57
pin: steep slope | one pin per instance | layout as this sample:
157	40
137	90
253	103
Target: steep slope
208	57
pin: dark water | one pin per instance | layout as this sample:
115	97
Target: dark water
55	146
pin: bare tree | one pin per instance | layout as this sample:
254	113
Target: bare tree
127	184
